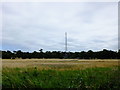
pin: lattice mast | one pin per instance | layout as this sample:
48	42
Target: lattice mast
65	41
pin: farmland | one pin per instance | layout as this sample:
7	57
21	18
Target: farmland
60	73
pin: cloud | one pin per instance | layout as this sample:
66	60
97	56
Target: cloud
31	26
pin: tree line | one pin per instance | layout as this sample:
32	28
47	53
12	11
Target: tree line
104	54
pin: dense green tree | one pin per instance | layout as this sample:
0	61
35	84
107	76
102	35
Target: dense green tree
104	54
118	54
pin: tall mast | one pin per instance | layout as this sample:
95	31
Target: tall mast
65	41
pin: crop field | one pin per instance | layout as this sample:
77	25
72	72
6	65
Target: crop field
61	73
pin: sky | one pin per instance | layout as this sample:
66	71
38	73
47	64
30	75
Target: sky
32	26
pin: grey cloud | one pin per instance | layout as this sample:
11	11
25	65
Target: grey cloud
42	25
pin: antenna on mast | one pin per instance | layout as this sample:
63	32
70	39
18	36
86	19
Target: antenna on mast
65	41
65	45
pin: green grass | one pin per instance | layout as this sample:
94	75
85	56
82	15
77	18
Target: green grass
92	78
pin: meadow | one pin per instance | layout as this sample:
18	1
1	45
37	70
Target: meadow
61	73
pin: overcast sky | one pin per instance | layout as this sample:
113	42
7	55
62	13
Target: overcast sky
32	26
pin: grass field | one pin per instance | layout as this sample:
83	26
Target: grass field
59	64
60	73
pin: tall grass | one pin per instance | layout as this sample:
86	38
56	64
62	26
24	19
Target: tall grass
92	78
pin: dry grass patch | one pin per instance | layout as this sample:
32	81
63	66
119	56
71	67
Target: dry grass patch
59	64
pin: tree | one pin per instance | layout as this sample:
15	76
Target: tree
104	54
19	53
41	50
